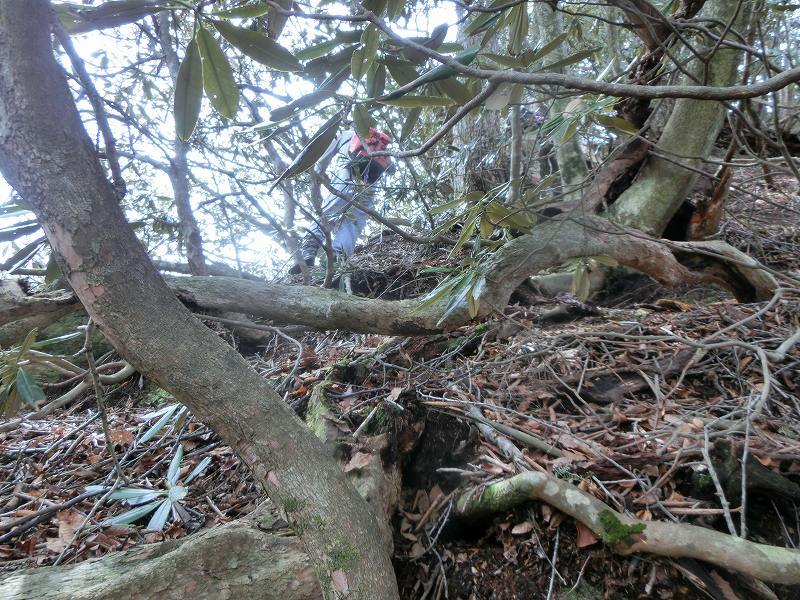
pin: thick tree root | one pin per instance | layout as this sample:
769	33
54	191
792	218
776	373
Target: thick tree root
238	560
627	535
548	245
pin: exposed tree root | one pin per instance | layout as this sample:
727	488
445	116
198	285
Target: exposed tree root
237	560
627	535
549	244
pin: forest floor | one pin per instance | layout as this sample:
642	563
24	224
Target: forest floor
629	397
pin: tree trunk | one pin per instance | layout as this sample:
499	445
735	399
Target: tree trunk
179	167
688	138
46	155
571	164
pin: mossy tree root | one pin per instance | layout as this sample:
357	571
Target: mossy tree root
627	535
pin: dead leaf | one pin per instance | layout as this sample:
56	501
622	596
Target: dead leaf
360	460
585	536
339	579
522	528
122	437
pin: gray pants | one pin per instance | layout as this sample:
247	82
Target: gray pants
344	221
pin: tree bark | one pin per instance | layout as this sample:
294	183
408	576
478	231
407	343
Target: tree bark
179	167
46	155
662	184
237	560
571	164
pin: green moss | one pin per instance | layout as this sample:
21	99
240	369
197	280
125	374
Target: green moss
615	531
342	556
292	505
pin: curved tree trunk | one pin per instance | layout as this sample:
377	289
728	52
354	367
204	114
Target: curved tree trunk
48	158
688	137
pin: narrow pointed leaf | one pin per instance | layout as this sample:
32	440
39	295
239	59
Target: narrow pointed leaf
218	81
548	47
134	515
159	518
313	151
175	466
27	388
201	466
571	59
248	11
259	47
418	101
188	92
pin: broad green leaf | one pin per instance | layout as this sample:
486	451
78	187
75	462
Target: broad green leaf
369	39
459	293
316	51
159	518
376	80
175	466
28	391
571	59
412	117
218	81
362	121
394	8
52	271
456	90
188	91
277	20
259	47
247	11
418	101
357	64
402	71
581	282
129	493
485	20
376	6
615	123
314	149
201	466
466	233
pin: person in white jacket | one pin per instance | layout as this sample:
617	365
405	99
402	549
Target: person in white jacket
355	173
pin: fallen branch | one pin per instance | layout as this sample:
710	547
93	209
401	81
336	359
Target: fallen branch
627	535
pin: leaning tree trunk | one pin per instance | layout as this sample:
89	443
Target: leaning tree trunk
46	155
688	137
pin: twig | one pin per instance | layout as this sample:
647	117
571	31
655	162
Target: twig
98	394
720	492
